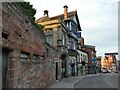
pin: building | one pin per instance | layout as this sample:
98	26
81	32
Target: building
26	61
98	65
61	32
83	58
119	65
52	55
91	56
82	62
110	62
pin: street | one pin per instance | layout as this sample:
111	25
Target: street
107	80
49	50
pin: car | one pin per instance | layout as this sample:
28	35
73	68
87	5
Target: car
109	71
115	71
104	70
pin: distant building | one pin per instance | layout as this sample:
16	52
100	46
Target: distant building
91	54
98	64
91	58
119	65
83	57
110	62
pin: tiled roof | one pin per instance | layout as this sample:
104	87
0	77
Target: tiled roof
61	16
44	18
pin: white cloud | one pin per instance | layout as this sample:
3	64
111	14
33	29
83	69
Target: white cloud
98	19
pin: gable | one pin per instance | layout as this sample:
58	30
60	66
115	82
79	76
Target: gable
75	19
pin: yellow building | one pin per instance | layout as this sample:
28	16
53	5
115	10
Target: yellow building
108	62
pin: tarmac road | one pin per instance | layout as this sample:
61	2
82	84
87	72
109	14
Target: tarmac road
106	80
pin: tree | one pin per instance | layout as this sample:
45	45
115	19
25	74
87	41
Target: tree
28	9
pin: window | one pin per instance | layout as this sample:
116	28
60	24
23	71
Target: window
72	44
64	39
59	42
24	56
49	39
81	57
74	18
73	27
69	25
49	36
35	57
5	35
48	32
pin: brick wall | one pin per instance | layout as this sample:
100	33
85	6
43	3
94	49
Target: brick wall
21	36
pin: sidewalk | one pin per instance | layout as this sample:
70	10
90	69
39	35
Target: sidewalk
67	82
70	81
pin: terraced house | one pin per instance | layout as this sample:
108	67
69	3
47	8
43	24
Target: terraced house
63	32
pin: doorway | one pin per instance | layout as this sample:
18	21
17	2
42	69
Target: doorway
5	59
56	65
73	69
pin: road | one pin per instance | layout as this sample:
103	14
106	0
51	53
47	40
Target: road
107	80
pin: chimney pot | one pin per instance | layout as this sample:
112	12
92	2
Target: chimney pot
65	6
46	12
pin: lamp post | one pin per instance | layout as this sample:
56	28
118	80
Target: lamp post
83	65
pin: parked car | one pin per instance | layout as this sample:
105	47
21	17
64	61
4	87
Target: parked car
109	71
115	71
104	70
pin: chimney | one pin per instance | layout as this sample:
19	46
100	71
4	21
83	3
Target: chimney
81	41
65	12
45	12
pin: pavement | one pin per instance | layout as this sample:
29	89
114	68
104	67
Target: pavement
69	82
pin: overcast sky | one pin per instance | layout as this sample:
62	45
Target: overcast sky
98	20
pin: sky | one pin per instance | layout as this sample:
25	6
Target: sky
98	20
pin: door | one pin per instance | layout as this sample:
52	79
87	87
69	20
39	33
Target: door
5	58
56	64
73	69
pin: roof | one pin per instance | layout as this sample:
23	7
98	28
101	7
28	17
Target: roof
89	46
61	16
83	51
42	19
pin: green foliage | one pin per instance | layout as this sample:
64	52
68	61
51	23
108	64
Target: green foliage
29	9
40	26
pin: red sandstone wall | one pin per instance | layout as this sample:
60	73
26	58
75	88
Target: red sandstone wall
21	35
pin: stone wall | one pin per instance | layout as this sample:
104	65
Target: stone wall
29	66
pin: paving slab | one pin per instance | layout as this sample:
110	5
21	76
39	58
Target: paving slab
67	82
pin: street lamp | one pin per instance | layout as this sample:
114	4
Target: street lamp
83	64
